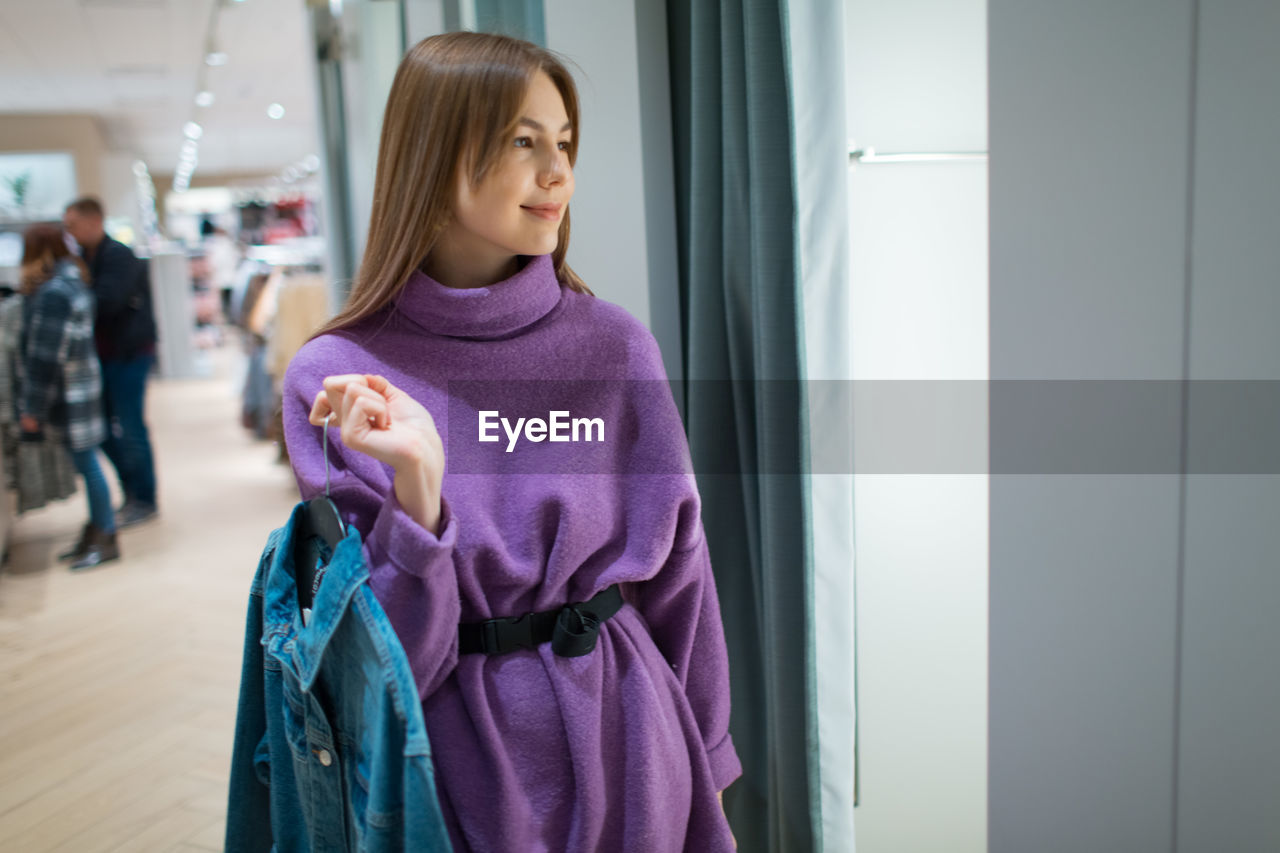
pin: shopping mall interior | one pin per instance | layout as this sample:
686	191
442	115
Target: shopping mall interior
120	682
961	319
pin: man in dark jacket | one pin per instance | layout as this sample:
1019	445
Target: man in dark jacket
125	334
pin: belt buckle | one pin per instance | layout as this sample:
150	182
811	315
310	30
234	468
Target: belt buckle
521	632
505	635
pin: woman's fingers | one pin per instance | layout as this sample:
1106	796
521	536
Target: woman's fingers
328	403
335	388
320	409
368	406
338	383
378	419
330	400
379	384
399	400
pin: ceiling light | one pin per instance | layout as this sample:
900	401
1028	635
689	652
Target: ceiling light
275	111
192	130
215	58
204	99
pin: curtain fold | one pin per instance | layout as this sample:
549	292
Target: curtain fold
816	37
738	223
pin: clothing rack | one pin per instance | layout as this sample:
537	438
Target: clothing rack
303	254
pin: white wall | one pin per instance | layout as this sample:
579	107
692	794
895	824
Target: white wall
1229	755
422	18
1134	682
624	199
607	244
916	82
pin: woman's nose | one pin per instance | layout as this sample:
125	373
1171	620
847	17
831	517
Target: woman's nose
555	169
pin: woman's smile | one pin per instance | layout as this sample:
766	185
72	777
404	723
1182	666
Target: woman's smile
550	214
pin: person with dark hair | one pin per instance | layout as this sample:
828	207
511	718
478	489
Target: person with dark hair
125	331
557	606
61	381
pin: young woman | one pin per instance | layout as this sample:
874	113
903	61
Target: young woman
601	721
61	381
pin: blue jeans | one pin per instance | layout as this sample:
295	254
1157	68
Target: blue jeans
101	515
128	445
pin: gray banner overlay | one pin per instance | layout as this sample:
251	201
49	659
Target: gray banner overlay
1032	427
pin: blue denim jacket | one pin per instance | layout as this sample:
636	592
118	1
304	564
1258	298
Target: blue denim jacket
331	750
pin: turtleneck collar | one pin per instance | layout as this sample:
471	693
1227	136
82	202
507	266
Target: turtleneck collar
493	311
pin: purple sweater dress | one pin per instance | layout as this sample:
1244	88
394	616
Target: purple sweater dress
622	749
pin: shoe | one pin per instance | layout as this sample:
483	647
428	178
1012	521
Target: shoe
80	547
135	513
103	548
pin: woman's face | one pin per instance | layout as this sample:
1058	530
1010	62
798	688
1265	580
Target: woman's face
494	221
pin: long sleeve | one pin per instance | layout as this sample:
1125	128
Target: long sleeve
680	606
679	603
45	336
115	280
411	570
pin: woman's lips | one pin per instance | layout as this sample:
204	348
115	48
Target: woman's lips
549	215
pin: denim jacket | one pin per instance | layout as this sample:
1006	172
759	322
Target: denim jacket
331	750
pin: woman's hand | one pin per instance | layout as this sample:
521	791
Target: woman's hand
382	421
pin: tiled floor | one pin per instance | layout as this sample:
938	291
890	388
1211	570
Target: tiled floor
118	686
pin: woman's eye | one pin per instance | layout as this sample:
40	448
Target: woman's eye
563	146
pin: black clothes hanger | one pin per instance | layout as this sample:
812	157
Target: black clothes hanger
319	519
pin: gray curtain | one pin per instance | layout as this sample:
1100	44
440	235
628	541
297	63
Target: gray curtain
744	403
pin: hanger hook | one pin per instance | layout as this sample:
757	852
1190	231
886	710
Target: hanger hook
326	453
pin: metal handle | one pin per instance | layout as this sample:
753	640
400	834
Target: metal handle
869	155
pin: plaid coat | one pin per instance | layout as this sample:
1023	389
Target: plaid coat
61	381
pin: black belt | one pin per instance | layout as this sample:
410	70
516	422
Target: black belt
572	630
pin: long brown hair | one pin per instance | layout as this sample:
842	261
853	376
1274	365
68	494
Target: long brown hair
43	246
455	99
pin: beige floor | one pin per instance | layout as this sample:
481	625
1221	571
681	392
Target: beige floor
118	686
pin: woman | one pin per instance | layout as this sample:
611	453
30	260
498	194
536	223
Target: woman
61	380
592	726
